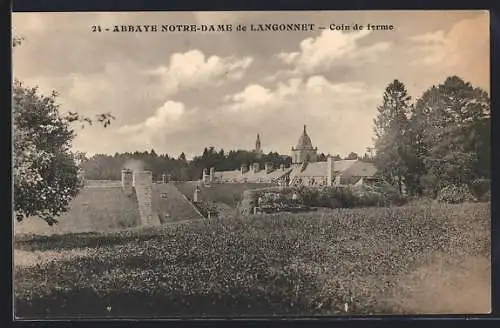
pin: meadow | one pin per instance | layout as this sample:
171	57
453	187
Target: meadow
431	258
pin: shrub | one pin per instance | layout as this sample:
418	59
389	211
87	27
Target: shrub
480	189
455	194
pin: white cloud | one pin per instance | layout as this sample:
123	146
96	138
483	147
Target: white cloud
160	131
194	70
165	117
296	89
331	48
331	110
431	37
464	45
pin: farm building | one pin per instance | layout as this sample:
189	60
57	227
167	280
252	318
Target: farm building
305	169
102	205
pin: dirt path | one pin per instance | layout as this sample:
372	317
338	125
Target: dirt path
444	286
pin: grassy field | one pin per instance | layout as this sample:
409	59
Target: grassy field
226	193
380	260
413	259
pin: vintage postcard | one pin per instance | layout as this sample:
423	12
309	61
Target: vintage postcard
242	164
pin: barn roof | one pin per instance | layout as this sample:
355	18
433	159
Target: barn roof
250	176
95	208
352	167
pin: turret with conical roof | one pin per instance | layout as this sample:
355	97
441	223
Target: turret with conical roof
304	151
304	141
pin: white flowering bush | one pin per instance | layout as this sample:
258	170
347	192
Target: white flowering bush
45	173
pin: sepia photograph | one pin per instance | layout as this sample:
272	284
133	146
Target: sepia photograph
250	164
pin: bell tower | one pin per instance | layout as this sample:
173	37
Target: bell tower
258	149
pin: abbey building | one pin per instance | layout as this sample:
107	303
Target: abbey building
304	170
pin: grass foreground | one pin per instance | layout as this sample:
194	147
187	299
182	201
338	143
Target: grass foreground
412	259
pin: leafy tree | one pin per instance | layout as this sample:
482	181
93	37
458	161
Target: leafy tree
451	134
391	137
352	155
46	172
46	175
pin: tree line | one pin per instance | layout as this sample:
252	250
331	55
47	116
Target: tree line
107	167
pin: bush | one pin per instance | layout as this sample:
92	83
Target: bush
455	194
328	197
480	189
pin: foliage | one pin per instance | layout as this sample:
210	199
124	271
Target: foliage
277	199
285	264
444	138
106	167
46	175
455	194
453	117
481	189
352	155
391	131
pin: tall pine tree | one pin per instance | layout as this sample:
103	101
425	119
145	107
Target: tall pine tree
391	126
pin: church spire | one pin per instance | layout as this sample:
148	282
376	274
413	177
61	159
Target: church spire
257	149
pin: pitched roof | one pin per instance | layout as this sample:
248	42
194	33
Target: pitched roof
250	176
352	167
316	169
95	208
362	169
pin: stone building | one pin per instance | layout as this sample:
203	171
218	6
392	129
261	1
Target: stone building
305	169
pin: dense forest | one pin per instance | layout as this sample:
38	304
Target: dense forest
106	167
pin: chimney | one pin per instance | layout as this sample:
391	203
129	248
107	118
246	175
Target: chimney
143	184
330	174
127	181
212	174
282	167
256	167
244	168
268	167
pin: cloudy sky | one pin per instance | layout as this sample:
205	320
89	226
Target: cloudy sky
179	92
